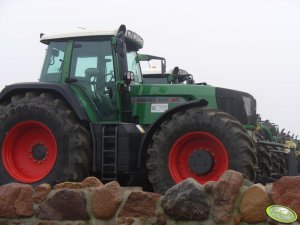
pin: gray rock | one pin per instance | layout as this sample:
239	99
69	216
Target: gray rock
186	201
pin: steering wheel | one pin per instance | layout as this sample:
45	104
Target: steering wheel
107	80
108	77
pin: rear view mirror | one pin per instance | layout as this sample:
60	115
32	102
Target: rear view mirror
121	47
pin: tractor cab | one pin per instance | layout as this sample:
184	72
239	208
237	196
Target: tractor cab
95	64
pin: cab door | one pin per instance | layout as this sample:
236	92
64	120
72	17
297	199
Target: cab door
92	69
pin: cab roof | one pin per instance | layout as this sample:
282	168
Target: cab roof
85	33
131	38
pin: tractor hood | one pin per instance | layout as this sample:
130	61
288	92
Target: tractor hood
149	102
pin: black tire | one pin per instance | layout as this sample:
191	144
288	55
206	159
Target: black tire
238	145
282	163
264	161
278	164
52	114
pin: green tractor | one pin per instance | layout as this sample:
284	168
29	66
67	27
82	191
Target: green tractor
91	114
272	151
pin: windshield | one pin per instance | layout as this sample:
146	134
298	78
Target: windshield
134	66
53	62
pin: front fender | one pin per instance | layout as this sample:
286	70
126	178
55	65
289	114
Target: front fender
147	138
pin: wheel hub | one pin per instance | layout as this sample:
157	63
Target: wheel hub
39	152
200	162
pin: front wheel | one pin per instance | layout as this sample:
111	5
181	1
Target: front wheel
200	143
41	141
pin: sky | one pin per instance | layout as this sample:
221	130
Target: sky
247	45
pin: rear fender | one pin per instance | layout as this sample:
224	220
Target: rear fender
59	90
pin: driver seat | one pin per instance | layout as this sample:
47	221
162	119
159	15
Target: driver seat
103	101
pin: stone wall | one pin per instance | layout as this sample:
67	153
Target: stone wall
231	200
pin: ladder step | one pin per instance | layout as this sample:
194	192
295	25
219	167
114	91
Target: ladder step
109	164
109	152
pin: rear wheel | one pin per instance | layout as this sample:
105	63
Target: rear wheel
41	141
278	163
264	162
282	163
275	166
200	143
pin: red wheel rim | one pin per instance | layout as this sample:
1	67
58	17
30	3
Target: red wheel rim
187	145
29	151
